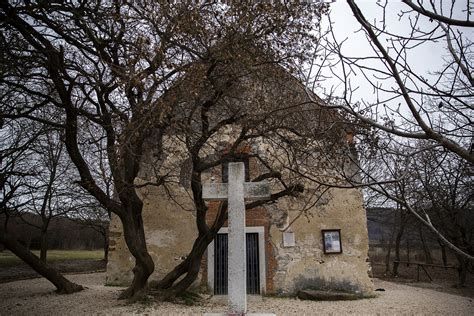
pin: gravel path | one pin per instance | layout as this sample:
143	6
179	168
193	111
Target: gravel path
36	297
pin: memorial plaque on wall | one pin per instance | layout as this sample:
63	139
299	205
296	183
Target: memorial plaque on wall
288	239
332	240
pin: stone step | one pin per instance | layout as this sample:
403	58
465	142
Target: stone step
320	295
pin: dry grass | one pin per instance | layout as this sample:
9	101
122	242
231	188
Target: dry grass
7	259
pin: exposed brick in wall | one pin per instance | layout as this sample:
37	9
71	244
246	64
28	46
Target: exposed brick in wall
254	217
170	236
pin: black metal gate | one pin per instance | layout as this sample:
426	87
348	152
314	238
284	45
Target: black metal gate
253	272
221	264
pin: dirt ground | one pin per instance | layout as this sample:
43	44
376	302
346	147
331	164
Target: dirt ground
36	297
444	280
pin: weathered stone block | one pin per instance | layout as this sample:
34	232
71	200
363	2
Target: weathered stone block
318	295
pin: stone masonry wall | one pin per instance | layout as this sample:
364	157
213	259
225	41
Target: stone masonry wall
170	231
306	265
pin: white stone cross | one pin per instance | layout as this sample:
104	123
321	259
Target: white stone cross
236	192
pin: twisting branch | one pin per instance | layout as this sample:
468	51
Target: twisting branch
438	17
430	133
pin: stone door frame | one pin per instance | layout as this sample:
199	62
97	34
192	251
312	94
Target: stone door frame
260	230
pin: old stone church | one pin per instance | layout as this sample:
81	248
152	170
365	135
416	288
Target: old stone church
324	248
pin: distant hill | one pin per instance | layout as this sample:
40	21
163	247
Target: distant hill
382	220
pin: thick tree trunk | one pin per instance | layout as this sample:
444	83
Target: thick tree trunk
43	246
167	281
63	285
134	234
190	266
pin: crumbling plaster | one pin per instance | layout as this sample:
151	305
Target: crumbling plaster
306	266
170	230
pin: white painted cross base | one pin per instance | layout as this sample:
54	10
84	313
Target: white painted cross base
236	192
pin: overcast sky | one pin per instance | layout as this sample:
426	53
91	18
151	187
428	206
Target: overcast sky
425	59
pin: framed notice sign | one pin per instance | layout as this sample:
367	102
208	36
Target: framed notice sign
288	239
332	241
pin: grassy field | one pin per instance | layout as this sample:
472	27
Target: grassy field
7	259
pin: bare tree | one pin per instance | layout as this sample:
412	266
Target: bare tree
436	106
445	193
111	69
246	109
405	104
16	156
50	189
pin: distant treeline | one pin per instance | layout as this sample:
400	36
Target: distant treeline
382	221
63	233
